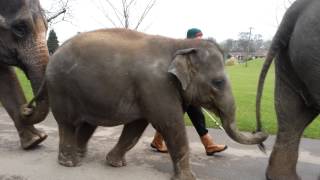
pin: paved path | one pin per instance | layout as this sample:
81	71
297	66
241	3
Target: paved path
239	162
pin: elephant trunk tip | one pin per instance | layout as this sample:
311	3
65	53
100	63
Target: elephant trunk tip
247	138
260	136
263	136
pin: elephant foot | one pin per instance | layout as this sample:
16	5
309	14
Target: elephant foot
82	152
186	175
31	137
275	176
115	161
69	159
40	133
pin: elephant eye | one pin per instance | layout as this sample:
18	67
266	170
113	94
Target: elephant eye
218	83
20	29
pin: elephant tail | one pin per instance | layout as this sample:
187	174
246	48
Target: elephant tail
262	78
280	41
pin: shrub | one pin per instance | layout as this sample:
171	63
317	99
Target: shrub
231	62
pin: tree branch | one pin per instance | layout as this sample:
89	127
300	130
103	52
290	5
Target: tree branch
59	8
62	11
124	16
145	13
115	10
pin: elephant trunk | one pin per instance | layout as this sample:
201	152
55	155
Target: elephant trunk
35	70
227	113
229	124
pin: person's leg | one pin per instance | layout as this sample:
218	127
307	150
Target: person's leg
198	120
158	143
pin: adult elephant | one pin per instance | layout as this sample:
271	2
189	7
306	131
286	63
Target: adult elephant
296	48
23	44
127	77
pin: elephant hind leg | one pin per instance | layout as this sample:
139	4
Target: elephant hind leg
293	117
68	155
12	98
66	114
83	134
130	135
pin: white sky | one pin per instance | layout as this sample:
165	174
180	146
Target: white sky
220	19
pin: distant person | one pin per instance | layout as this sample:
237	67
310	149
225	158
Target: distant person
197	118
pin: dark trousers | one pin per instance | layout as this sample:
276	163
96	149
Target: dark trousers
198	120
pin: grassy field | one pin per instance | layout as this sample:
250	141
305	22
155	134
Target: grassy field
244	84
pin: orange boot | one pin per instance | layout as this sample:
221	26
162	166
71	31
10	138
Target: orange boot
210	146
158	143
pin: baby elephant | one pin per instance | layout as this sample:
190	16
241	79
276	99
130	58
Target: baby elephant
116	76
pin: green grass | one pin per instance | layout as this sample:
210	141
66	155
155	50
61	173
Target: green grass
25	83
244	84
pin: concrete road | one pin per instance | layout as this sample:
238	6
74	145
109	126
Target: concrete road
238	162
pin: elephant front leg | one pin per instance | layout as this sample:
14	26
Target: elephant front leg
31	137
293	116
174	134
68	155
130	135
12	98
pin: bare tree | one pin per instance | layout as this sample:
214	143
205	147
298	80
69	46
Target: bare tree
257	42
126	13
243	41
285	4
228	45
60	10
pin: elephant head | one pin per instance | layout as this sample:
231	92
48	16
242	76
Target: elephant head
201	73
23	30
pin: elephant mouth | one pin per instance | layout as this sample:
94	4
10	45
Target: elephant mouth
213	108
217	112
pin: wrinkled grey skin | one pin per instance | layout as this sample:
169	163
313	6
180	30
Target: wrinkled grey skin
116	76
23	44
296	48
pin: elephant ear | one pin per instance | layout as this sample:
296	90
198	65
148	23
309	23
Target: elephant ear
181	66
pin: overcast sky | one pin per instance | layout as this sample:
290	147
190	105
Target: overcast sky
220	19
